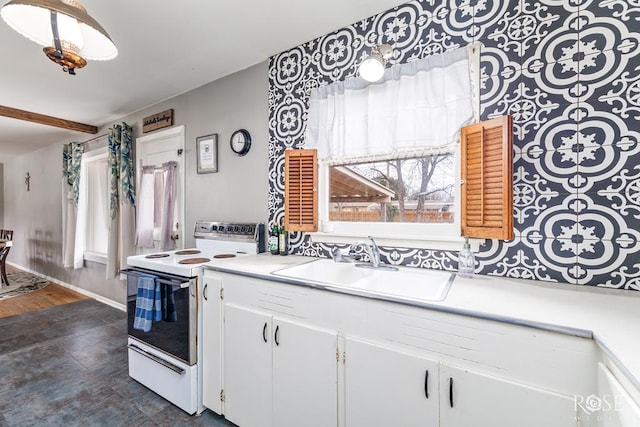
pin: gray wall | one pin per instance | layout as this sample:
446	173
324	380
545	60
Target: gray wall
237	192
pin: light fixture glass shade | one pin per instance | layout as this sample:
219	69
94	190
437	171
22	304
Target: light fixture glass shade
372	68
32	19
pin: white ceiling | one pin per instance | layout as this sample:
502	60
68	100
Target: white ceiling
165	48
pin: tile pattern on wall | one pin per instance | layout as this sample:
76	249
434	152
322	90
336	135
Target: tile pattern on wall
569	74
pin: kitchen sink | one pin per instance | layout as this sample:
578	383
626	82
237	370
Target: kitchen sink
406	283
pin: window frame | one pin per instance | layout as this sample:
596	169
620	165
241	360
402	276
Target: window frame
423	236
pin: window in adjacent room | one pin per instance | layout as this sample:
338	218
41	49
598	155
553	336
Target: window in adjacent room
93	206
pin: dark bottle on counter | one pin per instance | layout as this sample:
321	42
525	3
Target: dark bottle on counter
274	237
283	241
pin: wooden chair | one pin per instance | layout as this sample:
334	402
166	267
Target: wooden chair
5	234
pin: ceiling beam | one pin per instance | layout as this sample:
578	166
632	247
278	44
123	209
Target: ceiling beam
29	116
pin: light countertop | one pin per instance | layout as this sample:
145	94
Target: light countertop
610	317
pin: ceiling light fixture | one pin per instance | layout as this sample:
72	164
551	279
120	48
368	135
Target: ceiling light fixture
69	35
372	68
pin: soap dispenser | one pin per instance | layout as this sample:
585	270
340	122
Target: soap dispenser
466	260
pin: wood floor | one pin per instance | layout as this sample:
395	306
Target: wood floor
50	296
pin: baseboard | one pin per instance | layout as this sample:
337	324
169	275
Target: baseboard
85	292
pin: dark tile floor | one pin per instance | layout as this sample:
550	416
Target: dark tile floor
67	365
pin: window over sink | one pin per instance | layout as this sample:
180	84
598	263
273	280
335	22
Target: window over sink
413	201
389	152
416	190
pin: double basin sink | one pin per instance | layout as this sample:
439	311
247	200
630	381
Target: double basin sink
412	284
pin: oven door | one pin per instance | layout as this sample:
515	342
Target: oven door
174	338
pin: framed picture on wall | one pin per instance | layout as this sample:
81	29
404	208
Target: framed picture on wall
207	149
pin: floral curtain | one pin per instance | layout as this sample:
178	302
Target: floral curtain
122	198
71	157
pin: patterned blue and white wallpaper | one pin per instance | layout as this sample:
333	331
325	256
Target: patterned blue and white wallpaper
568	71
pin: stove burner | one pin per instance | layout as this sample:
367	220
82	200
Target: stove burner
194	260
224	256
157	256
188	252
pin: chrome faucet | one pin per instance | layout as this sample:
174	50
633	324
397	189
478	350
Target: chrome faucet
372	251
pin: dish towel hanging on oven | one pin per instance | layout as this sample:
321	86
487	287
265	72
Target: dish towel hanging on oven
148	302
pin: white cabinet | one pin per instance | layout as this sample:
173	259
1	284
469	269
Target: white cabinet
247	366
402	365
612	407
474	399
387	387
419	391
211	343
278	372
305	375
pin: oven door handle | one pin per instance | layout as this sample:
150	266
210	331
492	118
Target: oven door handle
157	359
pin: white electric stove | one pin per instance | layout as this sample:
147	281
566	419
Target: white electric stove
213	240
166	358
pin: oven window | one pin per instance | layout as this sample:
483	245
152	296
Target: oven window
171	338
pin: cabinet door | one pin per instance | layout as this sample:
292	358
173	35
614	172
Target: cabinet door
305	375
473	399
613	406
388	387
247	367
211	336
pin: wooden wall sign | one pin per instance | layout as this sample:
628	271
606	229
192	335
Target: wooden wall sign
158	121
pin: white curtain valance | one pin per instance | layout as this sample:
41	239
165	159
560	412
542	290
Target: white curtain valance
419	106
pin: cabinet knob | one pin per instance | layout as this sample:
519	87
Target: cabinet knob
276	336
451	392
204	292
264	332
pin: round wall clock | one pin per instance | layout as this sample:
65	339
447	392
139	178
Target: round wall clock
240	142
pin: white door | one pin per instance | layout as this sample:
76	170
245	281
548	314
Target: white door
154	150
211	337
247	367
470	399
305	375
388	387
